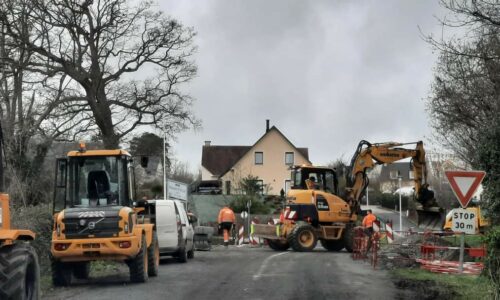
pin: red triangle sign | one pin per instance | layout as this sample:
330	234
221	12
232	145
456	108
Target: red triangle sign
464	184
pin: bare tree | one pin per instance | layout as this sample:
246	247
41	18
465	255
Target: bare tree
129	62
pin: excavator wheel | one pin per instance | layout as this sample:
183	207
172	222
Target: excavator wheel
138	266
303	238
332	245
19	272
348	237
278	245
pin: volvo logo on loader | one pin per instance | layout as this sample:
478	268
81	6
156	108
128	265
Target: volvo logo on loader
92	214
91	225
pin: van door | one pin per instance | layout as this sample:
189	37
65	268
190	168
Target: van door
187	228
166	225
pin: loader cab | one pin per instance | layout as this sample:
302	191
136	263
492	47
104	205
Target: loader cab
87	180
323	179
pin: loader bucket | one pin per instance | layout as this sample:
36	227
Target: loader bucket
431	218
203	238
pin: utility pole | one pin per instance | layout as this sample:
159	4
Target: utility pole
400	209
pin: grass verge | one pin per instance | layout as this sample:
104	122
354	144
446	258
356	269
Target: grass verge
444	286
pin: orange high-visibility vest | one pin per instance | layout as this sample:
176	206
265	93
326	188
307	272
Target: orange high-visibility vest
368	220
226	215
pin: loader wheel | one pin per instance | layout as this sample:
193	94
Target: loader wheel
332	245
348	238
303	238
81	270
61	273
153	256
19	272
138	266
278	245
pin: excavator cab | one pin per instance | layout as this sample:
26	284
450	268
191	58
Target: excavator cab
314	178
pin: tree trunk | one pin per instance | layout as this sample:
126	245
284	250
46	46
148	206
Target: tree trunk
103	116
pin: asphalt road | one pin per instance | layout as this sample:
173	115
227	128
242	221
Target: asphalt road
244	273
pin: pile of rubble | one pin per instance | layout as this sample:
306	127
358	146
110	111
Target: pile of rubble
405	250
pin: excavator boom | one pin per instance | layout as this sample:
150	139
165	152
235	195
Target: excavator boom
368	155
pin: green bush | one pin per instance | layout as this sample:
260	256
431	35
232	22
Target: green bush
492	240
39	220
239	204
389	200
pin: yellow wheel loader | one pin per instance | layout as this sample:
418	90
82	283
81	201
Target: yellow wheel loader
19	269
315	211
97	217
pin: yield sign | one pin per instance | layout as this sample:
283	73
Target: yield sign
464	184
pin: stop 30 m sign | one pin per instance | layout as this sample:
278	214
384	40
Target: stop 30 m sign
464	221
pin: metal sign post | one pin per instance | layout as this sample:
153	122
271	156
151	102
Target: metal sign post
464	184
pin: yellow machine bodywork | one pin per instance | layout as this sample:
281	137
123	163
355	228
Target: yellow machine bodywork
481	223
7	234
93	248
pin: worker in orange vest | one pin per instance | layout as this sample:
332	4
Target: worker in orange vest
226	220
368	222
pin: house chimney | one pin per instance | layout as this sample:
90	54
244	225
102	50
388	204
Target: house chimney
207	143
267	125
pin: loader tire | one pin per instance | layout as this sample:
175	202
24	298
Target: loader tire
278	245
348	237
61	273
138	266
153	256
19	272
303	238
332	245
81	270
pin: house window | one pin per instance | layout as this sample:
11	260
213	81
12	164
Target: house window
394	174
228	187
411	175
259	158
289	158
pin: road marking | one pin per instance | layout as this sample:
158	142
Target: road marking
264	265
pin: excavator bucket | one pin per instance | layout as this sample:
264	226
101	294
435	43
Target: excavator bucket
203	237
431	218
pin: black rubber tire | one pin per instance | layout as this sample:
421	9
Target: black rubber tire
190	253
138	266
332	245
81	270
19	272
153	256
348	237
278	245
61	273
299	233
182	255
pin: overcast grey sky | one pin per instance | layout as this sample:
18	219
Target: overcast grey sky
326	73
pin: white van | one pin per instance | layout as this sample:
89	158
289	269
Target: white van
173	228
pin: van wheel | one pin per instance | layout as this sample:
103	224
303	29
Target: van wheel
138	266
61	273
81	270
153	256
19	272
190	253
182	256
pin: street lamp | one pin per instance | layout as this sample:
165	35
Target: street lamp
400	209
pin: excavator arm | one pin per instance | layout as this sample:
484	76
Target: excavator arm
368	155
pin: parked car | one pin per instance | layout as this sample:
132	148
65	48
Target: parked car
174	229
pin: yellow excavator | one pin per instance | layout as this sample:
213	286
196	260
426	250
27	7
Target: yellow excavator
367	155
315	211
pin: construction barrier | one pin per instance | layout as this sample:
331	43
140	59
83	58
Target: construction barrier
389	233
240	235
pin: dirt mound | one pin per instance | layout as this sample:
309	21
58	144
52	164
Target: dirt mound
422	289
